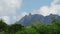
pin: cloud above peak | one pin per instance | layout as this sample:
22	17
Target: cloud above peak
47	10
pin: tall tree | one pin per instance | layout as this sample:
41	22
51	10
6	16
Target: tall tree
15	27
3	26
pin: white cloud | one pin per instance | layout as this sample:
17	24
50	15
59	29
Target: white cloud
47	10
55	2
9	8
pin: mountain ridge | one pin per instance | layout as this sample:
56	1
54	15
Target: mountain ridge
28	19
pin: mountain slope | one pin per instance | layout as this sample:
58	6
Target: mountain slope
28	19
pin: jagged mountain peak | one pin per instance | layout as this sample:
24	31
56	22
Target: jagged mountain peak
28	19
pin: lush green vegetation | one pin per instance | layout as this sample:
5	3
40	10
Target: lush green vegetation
36	28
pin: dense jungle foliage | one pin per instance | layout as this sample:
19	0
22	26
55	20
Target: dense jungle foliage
40	28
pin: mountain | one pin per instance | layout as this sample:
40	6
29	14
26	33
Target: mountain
28	19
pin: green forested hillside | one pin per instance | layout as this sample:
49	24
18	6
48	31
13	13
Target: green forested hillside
37	27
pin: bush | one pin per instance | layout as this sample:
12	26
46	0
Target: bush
1	32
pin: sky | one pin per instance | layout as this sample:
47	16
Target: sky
13	10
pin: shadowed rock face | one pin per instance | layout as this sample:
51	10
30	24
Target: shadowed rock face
28	19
